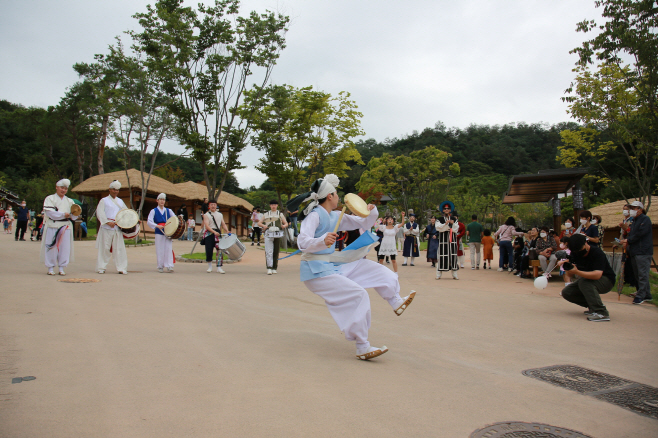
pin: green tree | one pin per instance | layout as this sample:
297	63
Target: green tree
616	102
204	59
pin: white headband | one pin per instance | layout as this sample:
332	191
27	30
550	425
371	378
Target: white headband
327	187
116	185
162	196
63	183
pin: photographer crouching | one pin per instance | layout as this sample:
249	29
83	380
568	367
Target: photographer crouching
595	277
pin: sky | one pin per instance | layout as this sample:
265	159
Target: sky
407	65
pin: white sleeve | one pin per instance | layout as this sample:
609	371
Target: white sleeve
455	227
150	222
415	231
100	213
442	227
305	241
351	222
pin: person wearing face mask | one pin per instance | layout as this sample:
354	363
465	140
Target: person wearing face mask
596	220
546	248
568	229
640	250
23	217
590	231
595	277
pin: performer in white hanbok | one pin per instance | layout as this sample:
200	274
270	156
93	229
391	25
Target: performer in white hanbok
447	227
163	246
110	237
342	286
57	241
273	223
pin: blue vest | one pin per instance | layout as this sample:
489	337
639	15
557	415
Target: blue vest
159	218
309	270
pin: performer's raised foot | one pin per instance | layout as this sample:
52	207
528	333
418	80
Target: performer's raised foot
407	300
454	275
370	352
438	275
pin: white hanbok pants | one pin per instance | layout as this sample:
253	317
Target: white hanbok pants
347	300
54	256
107	239
164	251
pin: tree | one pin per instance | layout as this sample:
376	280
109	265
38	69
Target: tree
616	103
304	134
415	180
204	59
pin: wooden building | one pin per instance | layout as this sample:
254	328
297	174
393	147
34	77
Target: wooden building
236	211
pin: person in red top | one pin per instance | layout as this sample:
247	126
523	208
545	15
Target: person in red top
569	229
461	233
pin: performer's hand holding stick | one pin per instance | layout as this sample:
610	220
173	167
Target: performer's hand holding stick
340	218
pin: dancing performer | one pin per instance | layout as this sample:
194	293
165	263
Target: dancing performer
163	246
273	223
461	232
110	237
411	232
57	242
387	248
342	286
448	228
212	221
432	241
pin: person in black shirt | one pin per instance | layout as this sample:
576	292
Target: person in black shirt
595	277
182	211
21	222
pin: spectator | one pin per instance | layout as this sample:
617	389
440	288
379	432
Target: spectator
568	229
204	206
487	248
519	247
590	231
293	221
529	252
474	233
504	236
546	247
191	224
640	250
256	216
23	217
431	235
595	277
629	273
596	220
9	218
460	235
563	254
2	215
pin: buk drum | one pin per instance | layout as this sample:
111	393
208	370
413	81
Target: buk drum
175	227
128	222
232	246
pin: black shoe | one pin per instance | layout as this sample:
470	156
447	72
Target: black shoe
404	264
16	239
413	264
433	265
22	240
648	300
638	300
252	243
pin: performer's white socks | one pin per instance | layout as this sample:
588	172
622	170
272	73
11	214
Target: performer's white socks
209	265
362	347
61	269
405	260
412	260
50	270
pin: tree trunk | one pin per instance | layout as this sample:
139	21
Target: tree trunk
101	145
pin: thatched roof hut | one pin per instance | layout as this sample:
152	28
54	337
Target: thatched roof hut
100	184
611	214
198	192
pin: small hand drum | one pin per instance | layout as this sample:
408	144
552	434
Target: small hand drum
357	205
76	210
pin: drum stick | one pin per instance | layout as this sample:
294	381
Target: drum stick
340	218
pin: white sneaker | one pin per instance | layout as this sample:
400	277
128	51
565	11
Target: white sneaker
123	272
160	270
101	271
438	275
220	270
454	275
472	268
209	270
273	271
269	272
171	270
500	269
461	266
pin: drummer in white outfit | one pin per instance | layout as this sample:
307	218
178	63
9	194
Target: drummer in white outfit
163	244
57	242
110	235
343	286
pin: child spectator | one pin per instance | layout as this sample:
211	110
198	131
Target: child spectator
487	248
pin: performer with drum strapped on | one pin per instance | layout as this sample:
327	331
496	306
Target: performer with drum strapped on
57	243
273	223
159	218
110	237
212	221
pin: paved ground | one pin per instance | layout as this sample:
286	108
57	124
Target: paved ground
250	355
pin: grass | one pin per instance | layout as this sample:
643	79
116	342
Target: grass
653	280
91	235
201	256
